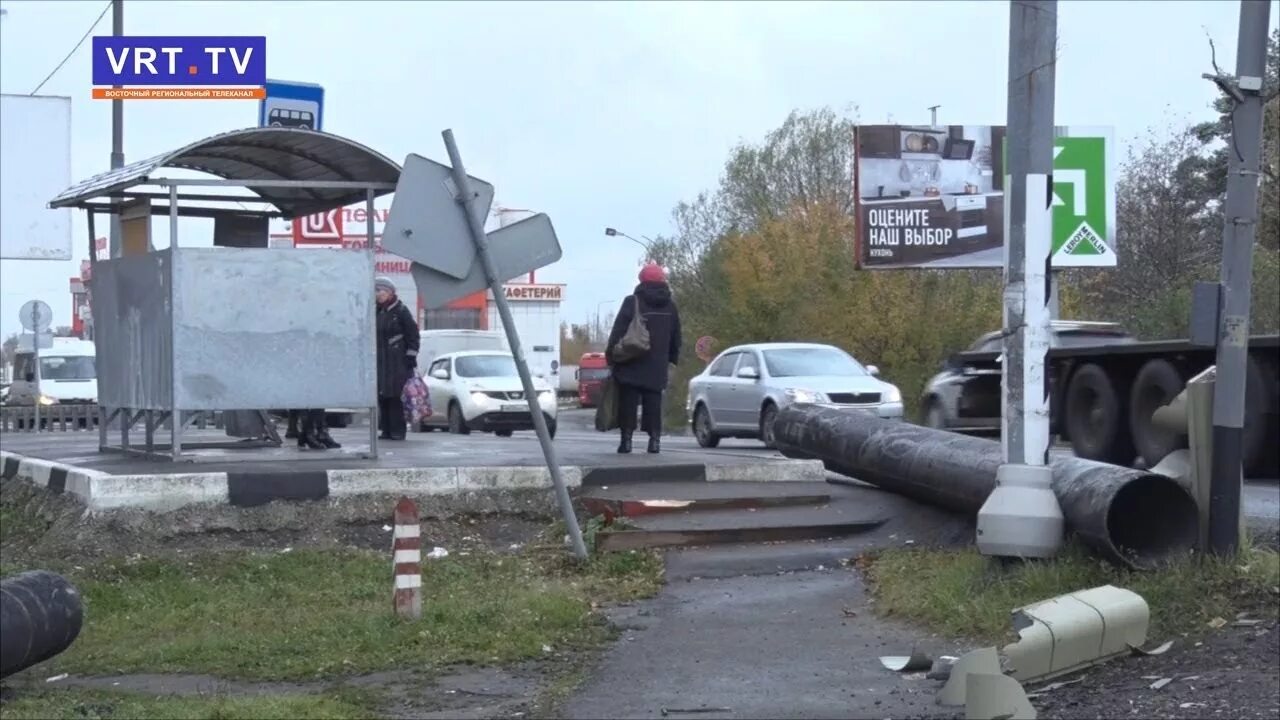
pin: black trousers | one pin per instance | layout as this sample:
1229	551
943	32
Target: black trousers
649	402
312	421
391	418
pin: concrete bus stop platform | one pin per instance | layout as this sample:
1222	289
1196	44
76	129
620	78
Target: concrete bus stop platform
433	463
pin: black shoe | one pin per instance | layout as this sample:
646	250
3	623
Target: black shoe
310	442
291	434
624	447
654	447
328	441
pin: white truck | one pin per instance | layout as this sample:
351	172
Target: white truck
66	374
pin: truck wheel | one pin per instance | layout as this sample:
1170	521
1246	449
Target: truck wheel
1096	418
1257	395
1157	383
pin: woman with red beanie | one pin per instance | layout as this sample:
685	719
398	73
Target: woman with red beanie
642	379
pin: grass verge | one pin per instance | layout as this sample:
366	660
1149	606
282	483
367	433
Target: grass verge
310	614
110	705
963	594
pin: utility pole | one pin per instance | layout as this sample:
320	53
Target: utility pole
117	131
1021	517
1241	210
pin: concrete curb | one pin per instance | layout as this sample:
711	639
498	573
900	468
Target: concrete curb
102	492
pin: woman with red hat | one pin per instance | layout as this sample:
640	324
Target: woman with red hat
642	376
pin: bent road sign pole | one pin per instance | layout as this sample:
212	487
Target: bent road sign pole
476	225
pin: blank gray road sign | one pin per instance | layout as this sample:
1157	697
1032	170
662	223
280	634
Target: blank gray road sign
36	316
26	341
426	224
516	249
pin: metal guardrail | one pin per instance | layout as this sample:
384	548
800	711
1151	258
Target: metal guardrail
76	418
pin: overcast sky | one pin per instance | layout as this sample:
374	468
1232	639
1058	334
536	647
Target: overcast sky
608	114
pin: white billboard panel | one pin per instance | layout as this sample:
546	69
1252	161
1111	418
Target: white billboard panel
35	165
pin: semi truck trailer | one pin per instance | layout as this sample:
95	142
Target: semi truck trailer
1102	396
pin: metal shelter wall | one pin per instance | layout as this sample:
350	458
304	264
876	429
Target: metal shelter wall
236	329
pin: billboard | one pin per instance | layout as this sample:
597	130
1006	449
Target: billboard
933	196
35	165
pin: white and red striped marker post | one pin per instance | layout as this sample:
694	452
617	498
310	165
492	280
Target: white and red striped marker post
407	550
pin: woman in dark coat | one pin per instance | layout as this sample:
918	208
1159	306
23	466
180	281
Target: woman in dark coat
397	357
642	380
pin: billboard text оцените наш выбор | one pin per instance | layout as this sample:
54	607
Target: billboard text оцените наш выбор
933	197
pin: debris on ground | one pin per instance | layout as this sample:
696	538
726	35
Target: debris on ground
941	669
1053	686
1076	630
1217	623
437	553
991	696
690	711
981	661
915	662
1157	650
1160	683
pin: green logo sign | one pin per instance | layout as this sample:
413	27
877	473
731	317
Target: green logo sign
1082	203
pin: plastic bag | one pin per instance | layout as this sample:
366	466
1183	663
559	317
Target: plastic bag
417	401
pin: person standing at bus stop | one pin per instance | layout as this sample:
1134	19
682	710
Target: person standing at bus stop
397	338
642	379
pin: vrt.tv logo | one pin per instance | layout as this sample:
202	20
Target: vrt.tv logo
179	67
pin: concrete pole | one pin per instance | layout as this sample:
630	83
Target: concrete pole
1241	211
1021	517
117	131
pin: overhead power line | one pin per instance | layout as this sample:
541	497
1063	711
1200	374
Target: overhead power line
74	49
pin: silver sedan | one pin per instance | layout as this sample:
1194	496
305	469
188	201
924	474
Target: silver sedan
741	391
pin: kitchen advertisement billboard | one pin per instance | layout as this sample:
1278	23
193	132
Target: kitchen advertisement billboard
933	197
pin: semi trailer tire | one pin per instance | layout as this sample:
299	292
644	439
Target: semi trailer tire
1157	383
1096	417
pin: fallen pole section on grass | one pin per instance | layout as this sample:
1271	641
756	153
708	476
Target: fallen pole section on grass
1132	518
40	616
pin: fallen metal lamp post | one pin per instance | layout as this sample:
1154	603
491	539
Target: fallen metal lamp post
40	616
1132	518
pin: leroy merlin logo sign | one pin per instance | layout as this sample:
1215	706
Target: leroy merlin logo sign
1083	202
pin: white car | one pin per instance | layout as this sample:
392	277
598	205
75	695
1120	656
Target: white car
741	391
481	390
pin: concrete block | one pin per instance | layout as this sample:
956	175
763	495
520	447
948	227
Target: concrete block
393	481
769	471
159	493
514	478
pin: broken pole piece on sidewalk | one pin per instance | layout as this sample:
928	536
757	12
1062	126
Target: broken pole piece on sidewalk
407	560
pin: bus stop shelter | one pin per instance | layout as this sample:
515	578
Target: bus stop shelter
239	326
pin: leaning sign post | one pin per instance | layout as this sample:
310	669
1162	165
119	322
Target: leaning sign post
453	256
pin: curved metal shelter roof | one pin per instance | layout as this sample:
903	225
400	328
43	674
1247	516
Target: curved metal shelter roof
301	157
